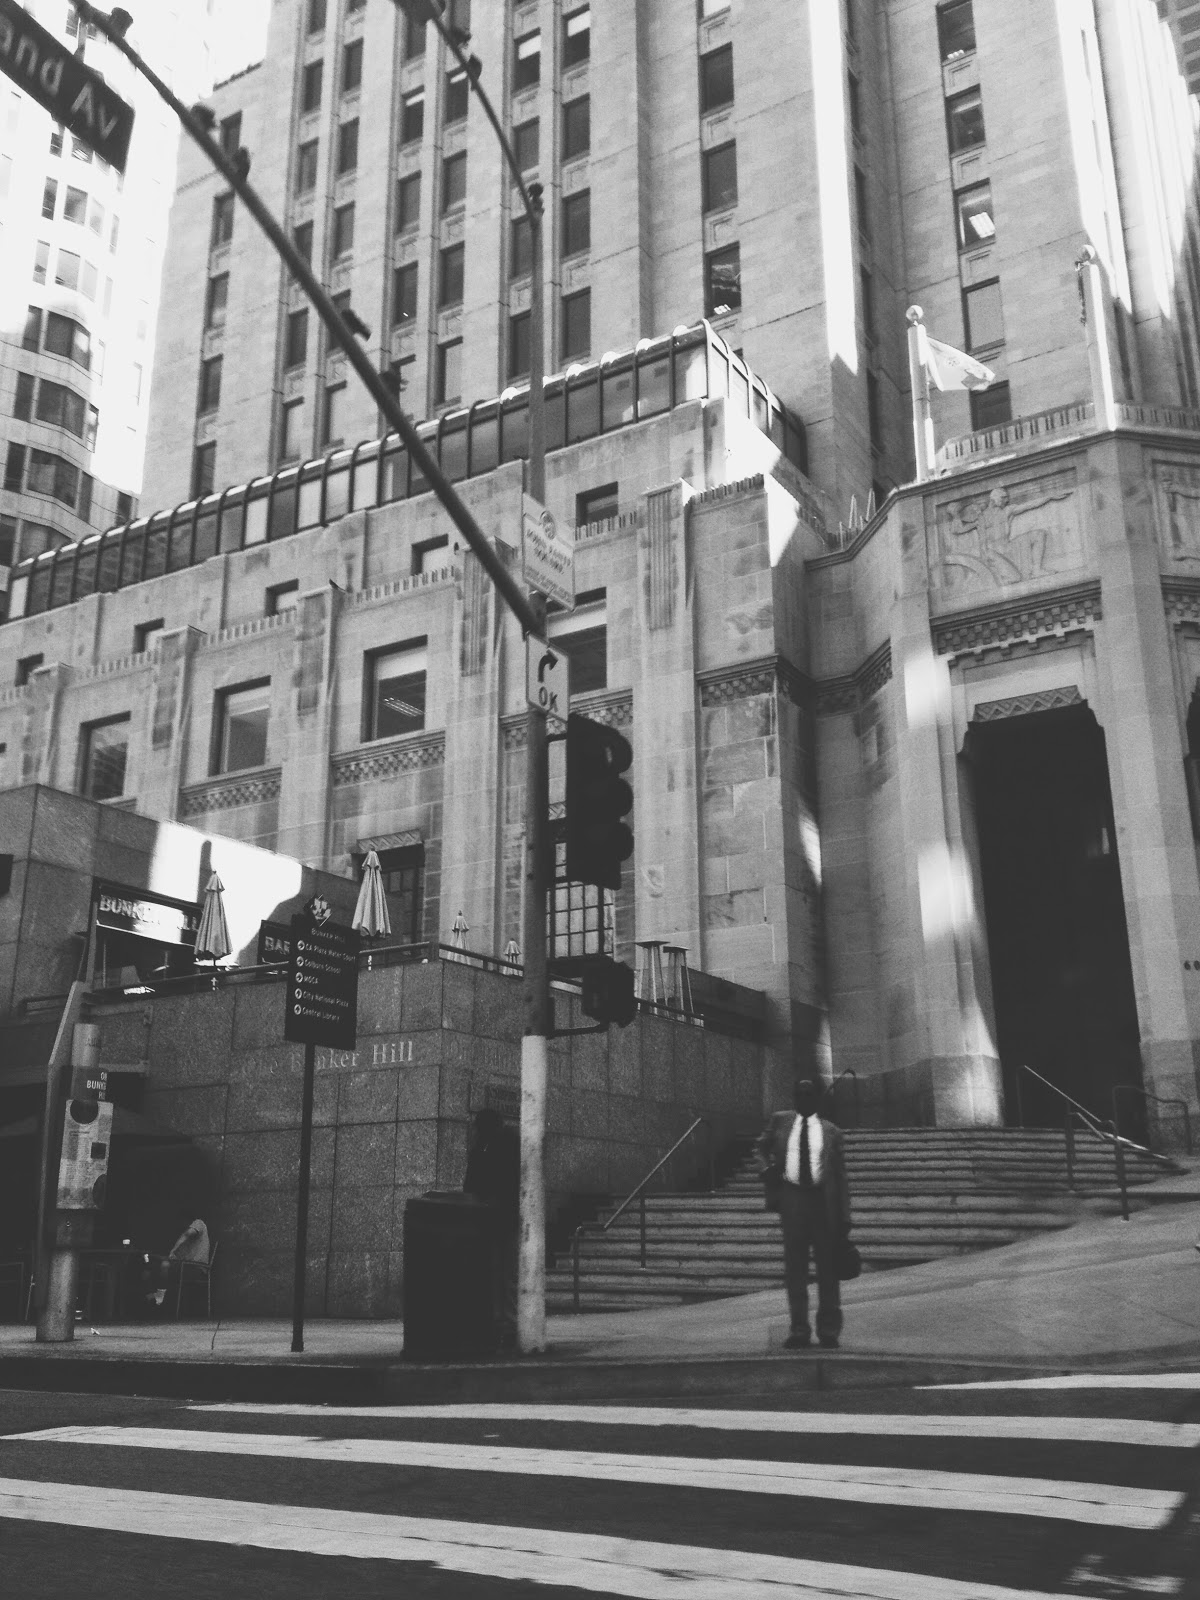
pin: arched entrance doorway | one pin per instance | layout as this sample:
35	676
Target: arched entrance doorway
1061	974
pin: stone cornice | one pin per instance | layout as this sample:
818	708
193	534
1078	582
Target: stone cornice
612	707
1181	599
386	760
851	691
1040	616
742	679
230	790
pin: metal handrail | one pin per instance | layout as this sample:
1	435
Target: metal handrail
639	1193
1101	1128
1161	1100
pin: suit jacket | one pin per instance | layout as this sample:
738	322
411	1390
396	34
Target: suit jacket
772	1152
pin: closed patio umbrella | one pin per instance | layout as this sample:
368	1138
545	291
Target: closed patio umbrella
212	939
371	912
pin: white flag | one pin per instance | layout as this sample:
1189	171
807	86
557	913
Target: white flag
948	368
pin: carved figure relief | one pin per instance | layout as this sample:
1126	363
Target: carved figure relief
1010	534
1177	493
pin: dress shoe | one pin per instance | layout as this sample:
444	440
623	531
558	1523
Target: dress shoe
797	1341
829	1341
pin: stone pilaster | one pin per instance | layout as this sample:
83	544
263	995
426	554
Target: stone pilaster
170	713
305	746
43	758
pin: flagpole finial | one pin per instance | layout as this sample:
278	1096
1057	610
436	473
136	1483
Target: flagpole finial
915	315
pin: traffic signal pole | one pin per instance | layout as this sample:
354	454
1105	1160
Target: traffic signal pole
529	609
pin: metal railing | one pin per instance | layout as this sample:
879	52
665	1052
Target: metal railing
639	1194
1161	1100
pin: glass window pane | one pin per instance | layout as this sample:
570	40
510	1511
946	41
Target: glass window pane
485	443
618	398
964	121
583	408
984	316
525	144
408	202
723	286
654	386
976	223
106	746
397	693
244	719
956	28
720	177
454	451
577	128
716	78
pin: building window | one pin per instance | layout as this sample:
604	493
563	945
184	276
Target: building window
8	541
450	277
577	223
41	260
14	467
347	151
216	301
341	304
104	747
145	635
32	336
458	17
408	202
84	509
983	314
596	505
114	233
316	15
716	78
210	385
395	691
343	229
204	469
527	61
66	271
577	37
56	140
23	400
306	167
88	281
874	414
28	665
518	345
352	59
96	219
230	137
333	413
454	182
719	172
404	293
964	121
860	203
425	550
296	349
282	598
580	913
242	719
49	199
723	281
577	324
222	221
292	429
74	207
404	884
414	37
458	93
302	239
976	221
991	407
583	634
525	144
956	29
124	506
51	475
520	262
449	372
577	128
66	337
311	85
854	99
412	117
867	287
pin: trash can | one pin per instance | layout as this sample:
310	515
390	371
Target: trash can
448	1244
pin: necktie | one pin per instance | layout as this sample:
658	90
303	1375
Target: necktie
806	1177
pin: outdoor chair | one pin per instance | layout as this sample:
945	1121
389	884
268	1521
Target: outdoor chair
201	1272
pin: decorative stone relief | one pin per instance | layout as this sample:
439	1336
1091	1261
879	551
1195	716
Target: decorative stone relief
1024	705
1051	616
1181	600
225	793
1009	534
407	757
836	696
1177	497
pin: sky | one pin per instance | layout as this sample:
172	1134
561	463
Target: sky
239	35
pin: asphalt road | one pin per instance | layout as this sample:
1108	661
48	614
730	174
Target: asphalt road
975	1494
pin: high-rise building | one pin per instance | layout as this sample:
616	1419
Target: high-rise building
79	275
1183	16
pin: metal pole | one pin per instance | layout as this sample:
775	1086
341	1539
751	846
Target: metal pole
56	1314
306	1122
922	413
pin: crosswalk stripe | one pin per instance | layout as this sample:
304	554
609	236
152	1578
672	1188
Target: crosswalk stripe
1059	1430
1109	1505
602	1563
1084	1380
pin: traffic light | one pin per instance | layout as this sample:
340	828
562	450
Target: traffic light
597	799
608	991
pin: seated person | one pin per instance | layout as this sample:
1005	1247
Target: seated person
191	1245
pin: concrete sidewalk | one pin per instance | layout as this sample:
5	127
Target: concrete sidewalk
1102	1292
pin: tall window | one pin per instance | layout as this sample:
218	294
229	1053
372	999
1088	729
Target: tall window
230	136
991	406
723	281
719	174
956	29
14	466
49	198
75	206
104	747
414	37
241	723
983	313
404	884
964	121
291	430
449	372
404	293
217	300
525	144
333	428
716	78
454	182
31	338
577	37
210	384
66	337
518	345
577	223
580	914
408	202
458	95
520	260
867	292
976	219
311	85
577	324
343	229
577	127
51	475
222	221
874	413
66	269
23	399
41	260
527	61
296	346
352	59
63	408
204	469
394	699
584	633
450	279
347	149
316	15
306	167
412	116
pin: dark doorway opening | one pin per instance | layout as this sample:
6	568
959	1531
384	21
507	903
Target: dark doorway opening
1059	946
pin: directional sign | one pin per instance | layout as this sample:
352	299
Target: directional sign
548	559
322	990
547	678
83	1168
71	92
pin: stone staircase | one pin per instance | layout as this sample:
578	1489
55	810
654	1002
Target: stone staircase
917	1194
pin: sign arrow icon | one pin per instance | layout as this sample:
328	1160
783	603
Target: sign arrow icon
548	660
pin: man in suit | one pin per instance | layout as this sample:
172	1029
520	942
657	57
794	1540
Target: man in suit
804	1174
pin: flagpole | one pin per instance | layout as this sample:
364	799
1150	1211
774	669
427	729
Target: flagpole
922	412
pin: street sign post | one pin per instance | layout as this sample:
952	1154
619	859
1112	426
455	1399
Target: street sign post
547	678
547	558
74	94
322	1008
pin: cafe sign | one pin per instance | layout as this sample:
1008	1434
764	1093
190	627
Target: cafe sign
123	910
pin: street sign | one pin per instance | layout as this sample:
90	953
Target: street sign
322	991
74	94
83	1168
547	558
547	678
